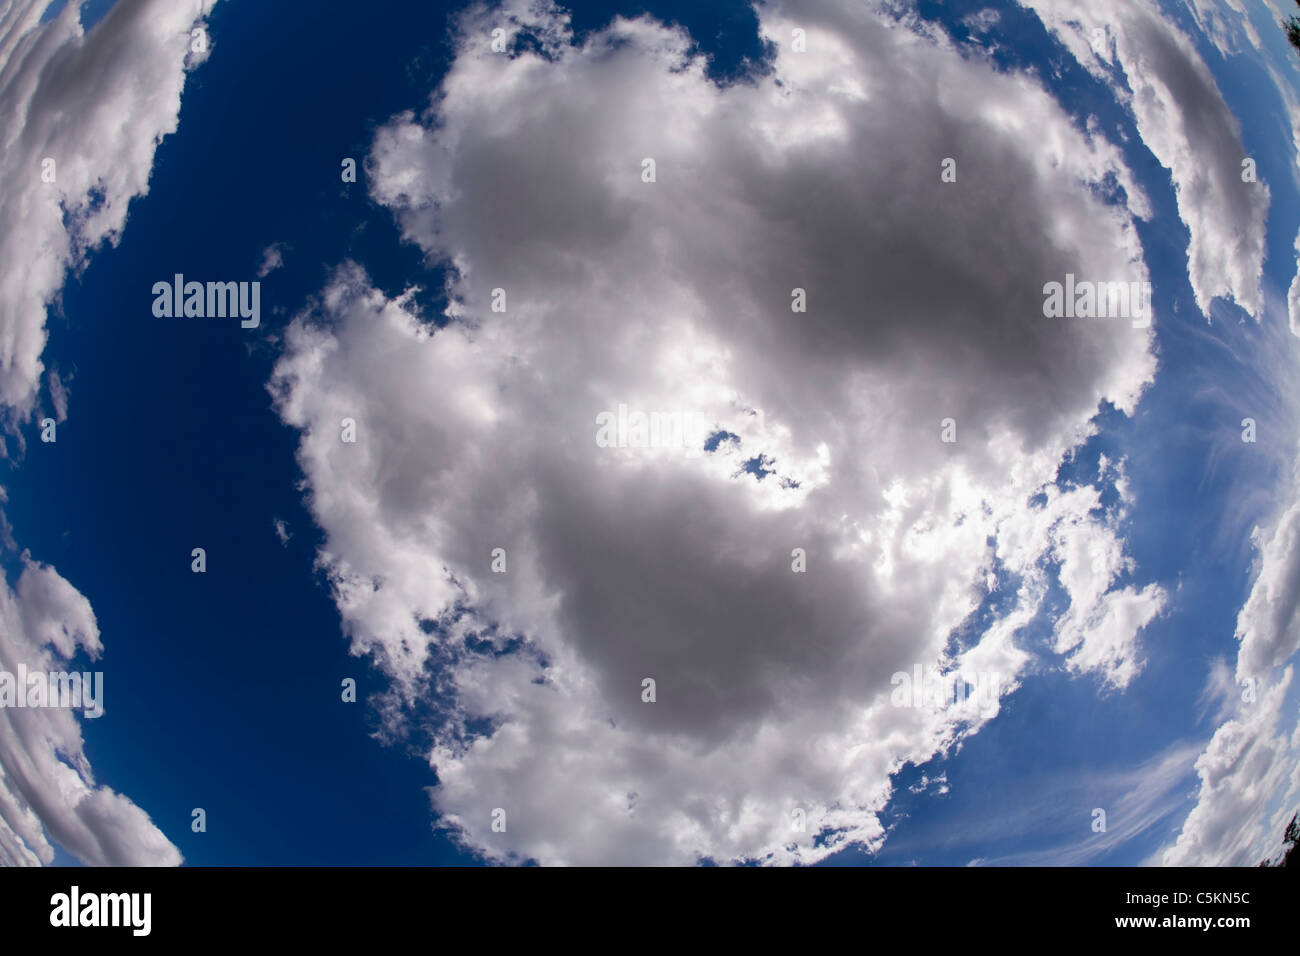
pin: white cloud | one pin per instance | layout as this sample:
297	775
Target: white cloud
1250	770
1225	23
983	21
1249	783
46	783
97	104
272	259
58	394
1099	631
1293	297
773	688
1184	121
1269	623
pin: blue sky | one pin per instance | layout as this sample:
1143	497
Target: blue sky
223	689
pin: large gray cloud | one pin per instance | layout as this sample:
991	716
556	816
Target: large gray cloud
925	302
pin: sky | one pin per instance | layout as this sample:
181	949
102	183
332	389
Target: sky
1111	568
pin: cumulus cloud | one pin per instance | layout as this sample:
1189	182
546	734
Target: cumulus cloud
1249	781
46	783
1269	623
1249	773
924	303
1098	632
1293	298
80	117
1184	121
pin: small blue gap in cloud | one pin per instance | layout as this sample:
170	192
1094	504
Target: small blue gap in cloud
53	10
726	31
717	438
92	11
